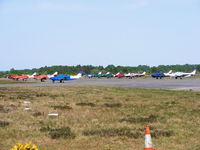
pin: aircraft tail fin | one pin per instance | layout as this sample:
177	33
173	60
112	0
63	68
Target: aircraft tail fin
79	74
193	72
34	74
56	73
170	72
144	73
99	73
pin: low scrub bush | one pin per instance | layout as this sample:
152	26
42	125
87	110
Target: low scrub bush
113	105
150	119
1	95
62	107
4	123
36	114
4	110
64	132
162	132
86	104
41	94
113	132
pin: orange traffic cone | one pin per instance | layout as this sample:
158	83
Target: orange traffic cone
148	144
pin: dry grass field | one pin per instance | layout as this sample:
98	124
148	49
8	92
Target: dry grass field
99	118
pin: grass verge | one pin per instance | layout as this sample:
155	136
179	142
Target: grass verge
99	118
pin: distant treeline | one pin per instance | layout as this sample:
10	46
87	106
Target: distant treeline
89	69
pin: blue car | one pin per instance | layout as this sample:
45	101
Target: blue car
60	78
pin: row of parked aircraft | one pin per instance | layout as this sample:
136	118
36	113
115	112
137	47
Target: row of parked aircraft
33	76
55	77
176	75
118	75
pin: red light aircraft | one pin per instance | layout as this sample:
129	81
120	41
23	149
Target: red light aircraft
22	77
119	75
42	78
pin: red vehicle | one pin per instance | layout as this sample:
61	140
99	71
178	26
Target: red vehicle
17	77
42	78
119	75
13	77
22	77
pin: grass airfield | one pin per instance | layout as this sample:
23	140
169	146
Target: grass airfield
99	118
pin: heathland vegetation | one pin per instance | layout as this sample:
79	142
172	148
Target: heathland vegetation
99	118
95	69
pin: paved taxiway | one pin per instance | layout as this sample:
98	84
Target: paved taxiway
173	84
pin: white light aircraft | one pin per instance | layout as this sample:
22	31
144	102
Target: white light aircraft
132	75
180	75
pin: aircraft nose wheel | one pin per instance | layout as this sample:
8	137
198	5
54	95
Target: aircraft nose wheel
42	80
61	81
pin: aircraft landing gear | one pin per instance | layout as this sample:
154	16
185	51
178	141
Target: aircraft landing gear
62	81
42	80
24	80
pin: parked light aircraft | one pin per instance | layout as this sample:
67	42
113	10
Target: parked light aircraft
13	77
89	75
22	77
140	75
132	75
45	77
99	75
61	78
119	75
180	75
108	75
161	75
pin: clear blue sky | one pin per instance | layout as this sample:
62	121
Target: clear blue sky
35	33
